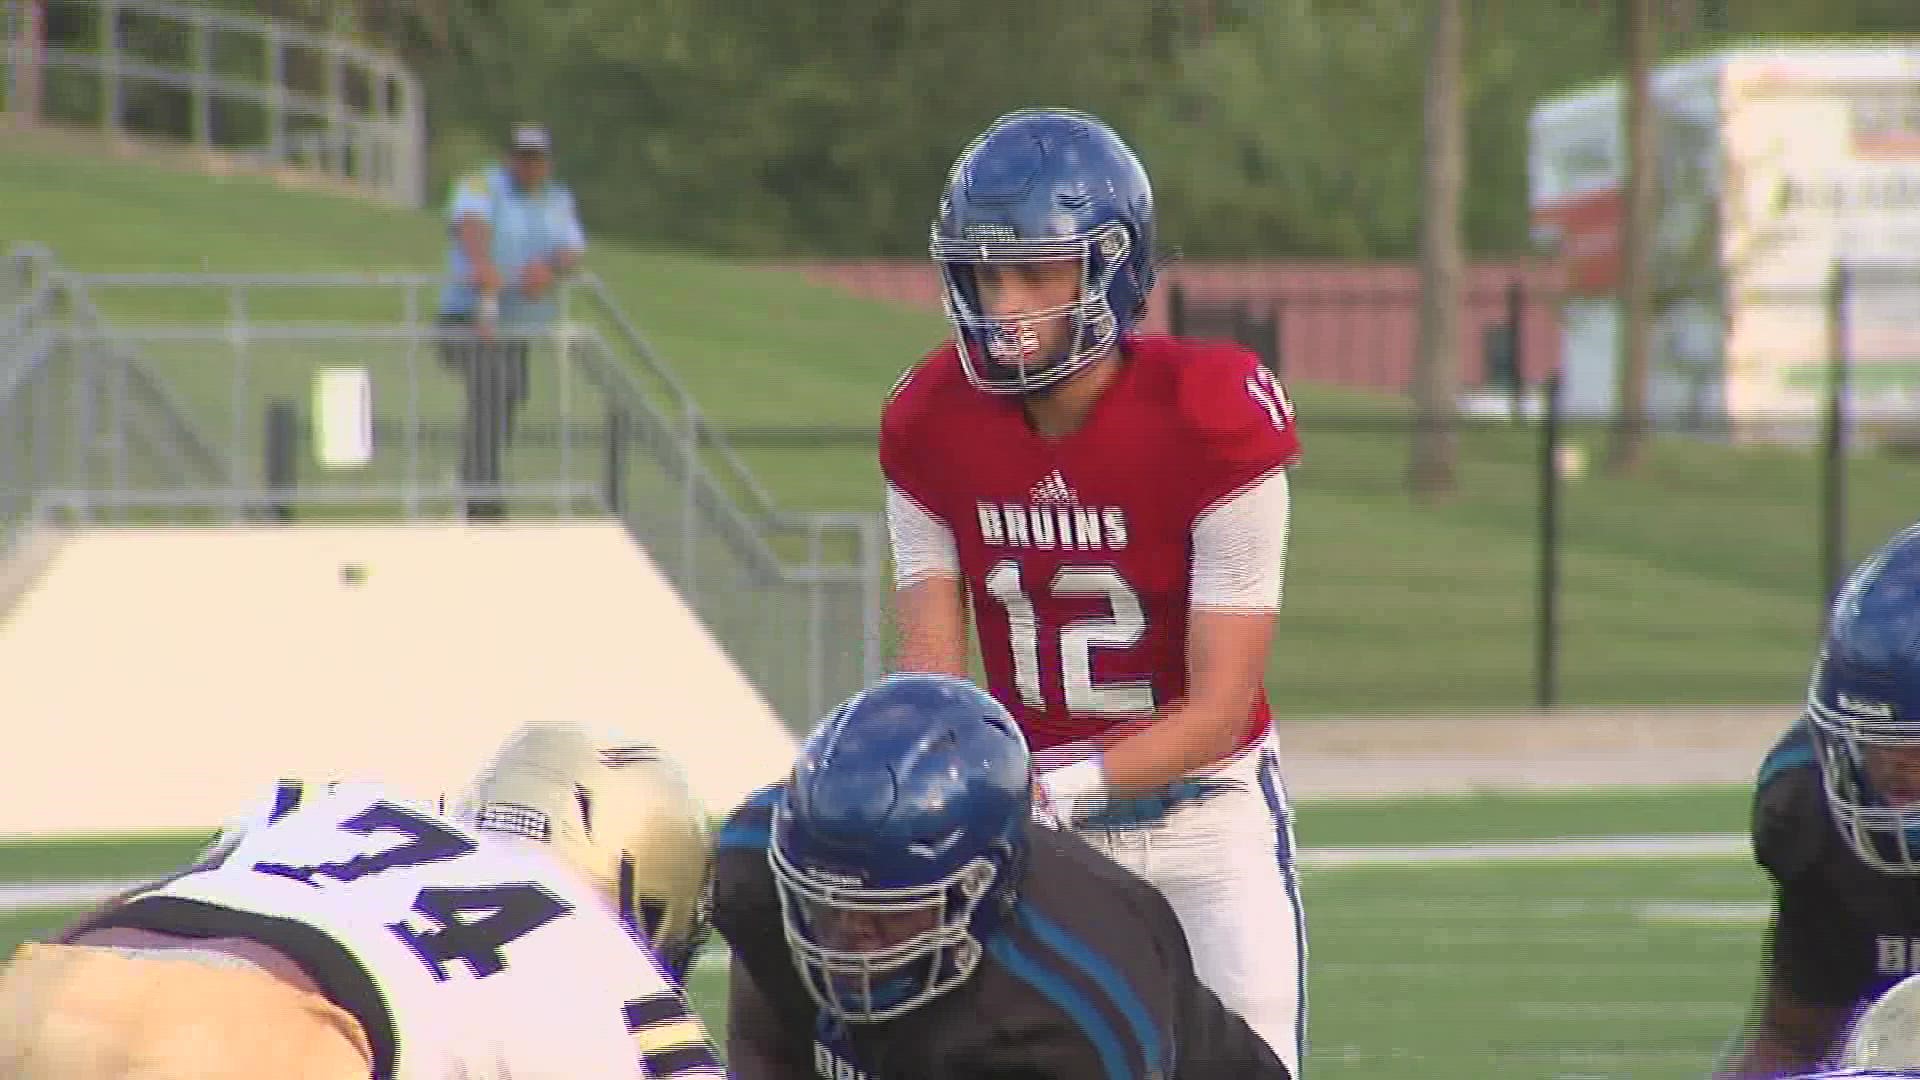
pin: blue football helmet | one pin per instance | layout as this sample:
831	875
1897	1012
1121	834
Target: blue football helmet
1040	185
1864	700
898	843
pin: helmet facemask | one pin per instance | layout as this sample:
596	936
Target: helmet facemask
937	949
1851	734
1004	354
676	934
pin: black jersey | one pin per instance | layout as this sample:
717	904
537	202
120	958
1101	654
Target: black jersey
1089	977
1843	932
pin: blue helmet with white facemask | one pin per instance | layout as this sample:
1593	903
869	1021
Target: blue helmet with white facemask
898	843
1043	185
1864	702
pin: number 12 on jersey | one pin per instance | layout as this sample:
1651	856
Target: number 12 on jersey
1074	641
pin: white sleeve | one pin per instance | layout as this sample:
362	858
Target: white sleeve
922	544
1240	548
471	198
573	238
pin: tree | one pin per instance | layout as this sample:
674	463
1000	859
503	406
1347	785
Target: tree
1436	374
1291	131
1627	446
1273	128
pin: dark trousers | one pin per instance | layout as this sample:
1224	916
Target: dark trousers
495	376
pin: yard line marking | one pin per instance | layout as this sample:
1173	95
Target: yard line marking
1687	911
60	894
33	896
1677	846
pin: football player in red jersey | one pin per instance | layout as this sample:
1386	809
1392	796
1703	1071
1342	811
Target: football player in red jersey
1113	508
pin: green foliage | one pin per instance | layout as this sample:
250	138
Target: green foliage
1253	145
1272	128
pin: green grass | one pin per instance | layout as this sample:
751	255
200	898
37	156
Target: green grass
759	348
1695	581
1484	817
98	858
1621	968
1517	971
1527	970
1338	822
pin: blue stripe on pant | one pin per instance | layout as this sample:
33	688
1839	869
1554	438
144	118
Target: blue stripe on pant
1271	787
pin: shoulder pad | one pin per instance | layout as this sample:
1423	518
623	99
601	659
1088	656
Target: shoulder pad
1239	421
745	903
924	391
894	390
1224	390
1791	827
751	825
925	380
287	796
476	182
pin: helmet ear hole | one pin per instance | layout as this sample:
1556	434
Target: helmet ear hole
584	800
653	915
624	890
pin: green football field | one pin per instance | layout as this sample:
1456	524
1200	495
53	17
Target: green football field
1633	966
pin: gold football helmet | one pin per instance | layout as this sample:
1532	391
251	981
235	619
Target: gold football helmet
620	813
1887	1036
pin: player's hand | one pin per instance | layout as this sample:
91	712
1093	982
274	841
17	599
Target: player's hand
536	279
486	278
486	316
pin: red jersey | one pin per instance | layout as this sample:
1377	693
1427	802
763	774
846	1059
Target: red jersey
1077	552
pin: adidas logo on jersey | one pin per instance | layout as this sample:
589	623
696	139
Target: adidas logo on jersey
1053	491
1053	519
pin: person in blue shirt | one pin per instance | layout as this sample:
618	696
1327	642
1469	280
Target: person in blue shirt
514	234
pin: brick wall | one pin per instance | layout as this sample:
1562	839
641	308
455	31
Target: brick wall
1344	324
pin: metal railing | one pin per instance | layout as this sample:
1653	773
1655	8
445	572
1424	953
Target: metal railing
81	416
266	94
195	398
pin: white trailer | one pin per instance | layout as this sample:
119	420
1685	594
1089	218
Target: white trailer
1776	165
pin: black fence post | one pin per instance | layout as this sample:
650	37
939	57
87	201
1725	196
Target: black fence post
1262	335
1833	532
1547	633
1277	315
281	449
1177	311
1516	353
616	483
